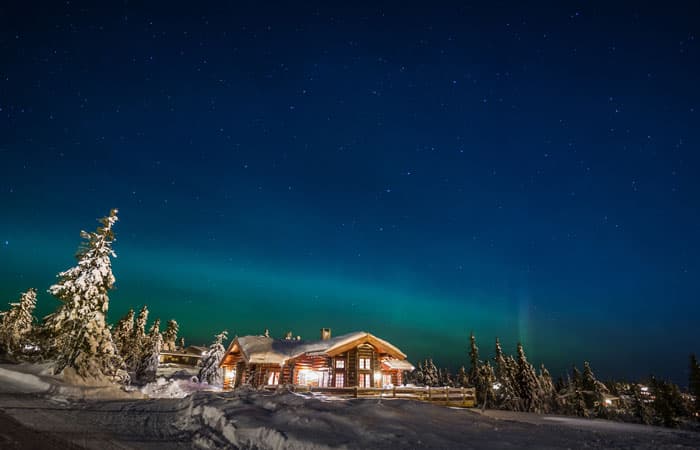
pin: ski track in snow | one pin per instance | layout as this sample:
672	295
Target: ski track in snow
265	420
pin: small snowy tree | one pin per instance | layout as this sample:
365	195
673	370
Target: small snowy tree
487	378
170	336
431	377
17	323
462	377
137	342
148	364
121	334
593	388
76	335
210	372
547	392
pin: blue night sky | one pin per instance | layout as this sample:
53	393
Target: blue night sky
414	171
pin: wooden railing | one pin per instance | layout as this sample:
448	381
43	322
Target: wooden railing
444	395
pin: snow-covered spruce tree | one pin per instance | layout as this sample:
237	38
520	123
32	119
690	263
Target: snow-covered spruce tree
76	335
150	357
487	378
121	333
547	391
432	377
170	336
576	378
17	323
462	377
138	342
504	391
593	388
474	359
210	372
418	375
527	382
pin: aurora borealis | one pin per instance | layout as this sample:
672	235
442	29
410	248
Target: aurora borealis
523	172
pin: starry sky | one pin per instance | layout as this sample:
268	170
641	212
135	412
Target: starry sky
413	170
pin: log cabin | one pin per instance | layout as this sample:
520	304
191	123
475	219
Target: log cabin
357	359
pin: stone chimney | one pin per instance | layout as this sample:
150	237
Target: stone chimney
325	334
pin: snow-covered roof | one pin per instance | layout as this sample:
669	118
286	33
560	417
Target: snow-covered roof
266	350
400	364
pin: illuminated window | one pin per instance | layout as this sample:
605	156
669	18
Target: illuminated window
386	379
273	378
365	380
339	380
364	364
339	363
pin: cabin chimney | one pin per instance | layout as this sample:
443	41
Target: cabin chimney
325	334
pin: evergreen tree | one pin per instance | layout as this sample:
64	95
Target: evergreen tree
17	323
170	336
122	333
529	387
579	404
487	378
419	375
639	405
474	359
505	396
576	378
547	392
447	378
668	404
76	335
150	357
138	342
595	389
432	376
560	384
462	377
210	372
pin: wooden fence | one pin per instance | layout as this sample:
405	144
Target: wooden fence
465	397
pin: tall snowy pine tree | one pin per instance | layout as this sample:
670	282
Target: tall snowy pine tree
504	391
210	372
527	382
474	359
170	336
76	335
17	323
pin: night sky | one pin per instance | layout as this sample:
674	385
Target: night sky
416	171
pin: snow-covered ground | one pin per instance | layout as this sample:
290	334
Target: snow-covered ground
66	415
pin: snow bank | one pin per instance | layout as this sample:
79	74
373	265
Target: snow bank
175	388
20	382
182	414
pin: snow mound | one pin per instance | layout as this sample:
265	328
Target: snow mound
174	388
17	382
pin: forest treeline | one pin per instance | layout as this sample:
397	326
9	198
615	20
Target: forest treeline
512	383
